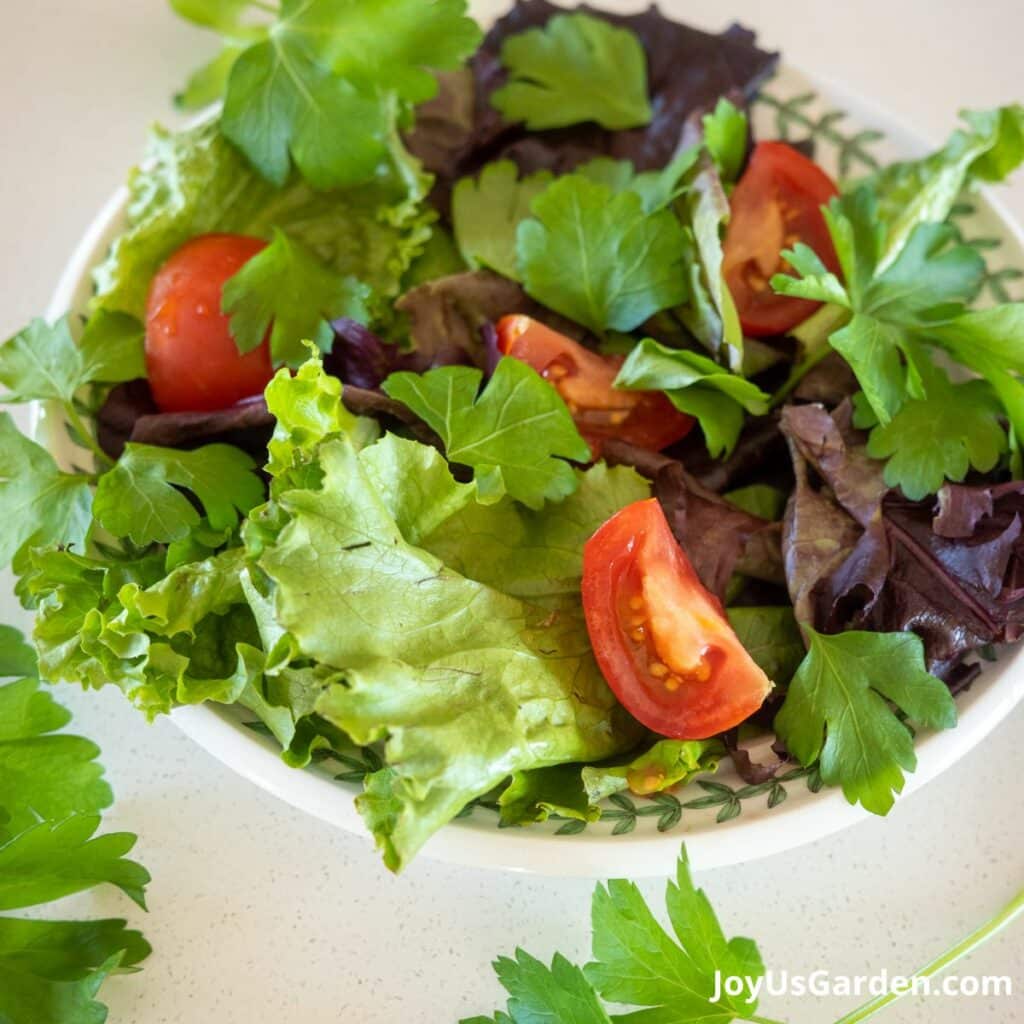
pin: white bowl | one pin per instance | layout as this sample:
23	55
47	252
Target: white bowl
627	839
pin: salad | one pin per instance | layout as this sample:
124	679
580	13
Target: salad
498	406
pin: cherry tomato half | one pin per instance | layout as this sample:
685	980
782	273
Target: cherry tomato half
191	358
662	641
585	381
776	204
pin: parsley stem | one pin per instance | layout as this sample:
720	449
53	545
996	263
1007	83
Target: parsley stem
797	374
813	335
85	436
763	1020
977	938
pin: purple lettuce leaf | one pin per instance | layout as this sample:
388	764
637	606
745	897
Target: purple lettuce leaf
830	382
448	317
688	71
861	557
129	414
760	454
717	537
362	359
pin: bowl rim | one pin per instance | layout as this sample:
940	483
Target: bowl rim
645	854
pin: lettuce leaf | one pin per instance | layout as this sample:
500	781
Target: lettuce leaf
466	685
987	148
536	556
164	640
541	792
195	181
666	764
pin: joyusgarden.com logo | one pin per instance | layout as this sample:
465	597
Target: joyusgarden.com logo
825	983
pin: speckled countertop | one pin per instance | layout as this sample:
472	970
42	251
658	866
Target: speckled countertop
259	912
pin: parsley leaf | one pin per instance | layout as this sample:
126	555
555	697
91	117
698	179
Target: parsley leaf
232	20
50	789
539	994
42	775
229	17
596	257
112	348
206	84
50	971
930	280
726	135
926	445
930	277
837	709
576	68
139	498
487	210
43	362
282	105
17	658
984	338
288	286
816	282
988	341
388	44
511	434
331	62
53	859
656	189
636	962
38	502
695	385
872	349
557	995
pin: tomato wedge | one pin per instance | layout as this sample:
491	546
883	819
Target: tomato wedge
660	638
192	361
776	204
585	380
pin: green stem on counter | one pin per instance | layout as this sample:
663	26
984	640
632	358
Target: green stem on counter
967	946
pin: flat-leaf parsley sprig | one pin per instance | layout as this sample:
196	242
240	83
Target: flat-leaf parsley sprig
290	72
675	977
51	794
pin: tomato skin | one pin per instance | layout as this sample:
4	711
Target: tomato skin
192	361
776	203
661	639
585	380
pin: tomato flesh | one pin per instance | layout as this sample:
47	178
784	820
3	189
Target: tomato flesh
776	204
192	361
661	639
585	380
